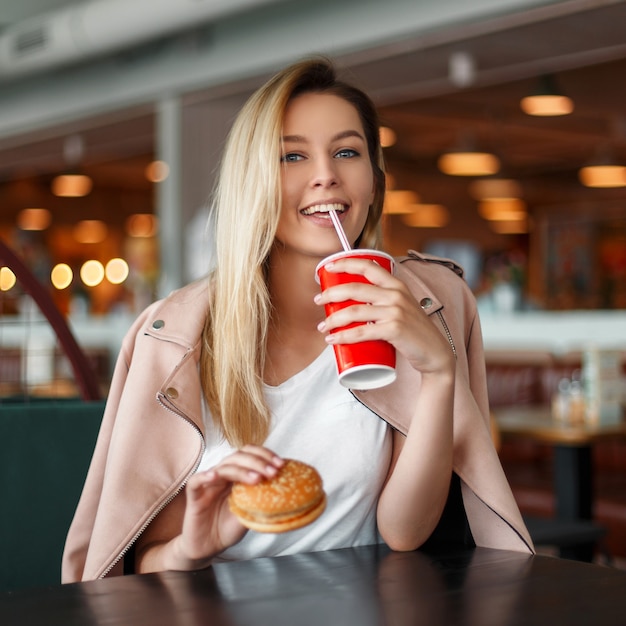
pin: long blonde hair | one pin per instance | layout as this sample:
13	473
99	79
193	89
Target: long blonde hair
247	204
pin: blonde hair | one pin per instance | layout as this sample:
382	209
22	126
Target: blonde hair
247	204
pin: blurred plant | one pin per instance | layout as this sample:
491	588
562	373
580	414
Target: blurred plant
508	266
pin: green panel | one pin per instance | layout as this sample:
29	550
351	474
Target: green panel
45	450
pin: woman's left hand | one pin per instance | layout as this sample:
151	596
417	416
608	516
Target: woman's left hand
389	312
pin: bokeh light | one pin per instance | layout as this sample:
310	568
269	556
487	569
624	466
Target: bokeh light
71	185
142	225
157	171
90	231
7	279
34	219
92	273
116	271
61	276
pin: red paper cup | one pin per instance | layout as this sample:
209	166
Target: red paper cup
368	364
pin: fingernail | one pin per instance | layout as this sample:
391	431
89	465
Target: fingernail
321	326
317	298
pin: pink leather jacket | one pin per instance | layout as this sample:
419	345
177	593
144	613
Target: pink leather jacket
152	436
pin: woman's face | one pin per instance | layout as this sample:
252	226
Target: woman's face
325	164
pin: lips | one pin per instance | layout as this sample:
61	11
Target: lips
318	209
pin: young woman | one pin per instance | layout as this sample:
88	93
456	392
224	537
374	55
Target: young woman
227	377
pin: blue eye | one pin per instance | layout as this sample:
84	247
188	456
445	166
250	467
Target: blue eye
346	153
291	157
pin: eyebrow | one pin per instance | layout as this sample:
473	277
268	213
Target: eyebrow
344	134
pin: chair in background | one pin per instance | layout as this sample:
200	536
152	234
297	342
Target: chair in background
45	450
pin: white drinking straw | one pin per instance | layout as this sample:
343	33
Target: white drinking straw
340	231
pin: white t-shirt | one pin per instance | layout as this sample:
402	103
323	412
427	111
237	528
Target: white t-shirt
316	420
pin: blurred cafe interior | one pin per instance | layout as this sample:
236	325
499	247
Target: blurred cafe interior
505	134
111	126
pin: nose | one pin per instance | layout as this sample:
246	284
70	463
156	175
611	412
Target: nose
324	172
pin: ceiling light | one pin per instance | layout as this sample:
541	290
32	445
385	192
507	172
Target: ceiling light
468	163
33	219
427	216
510	227
502	209
142	225
488	188
547	100
465	160
603	171
603	176
90	231
399	201
71	185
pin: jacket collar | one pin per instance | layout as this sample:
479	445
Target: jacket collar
190	303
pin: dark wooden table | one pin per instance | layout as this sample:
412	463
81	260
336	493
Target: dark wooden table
573	467
368	586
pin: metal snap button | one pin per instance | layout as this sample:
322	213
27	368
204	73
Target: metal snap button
426	303
171	393
158	324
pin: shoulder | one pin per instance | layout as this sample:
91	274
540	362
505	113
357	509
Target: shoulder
179	317
443	277
440	275
419	262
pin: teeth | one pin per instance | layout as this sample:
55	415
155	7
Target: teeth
324	208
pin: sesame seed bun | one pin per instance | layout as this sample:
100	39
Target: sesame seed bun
293	498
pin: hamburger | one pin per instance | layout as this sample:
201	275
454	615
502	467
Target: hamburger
293	498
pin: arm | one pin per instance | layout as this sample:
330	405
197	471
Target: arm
416	490
417	486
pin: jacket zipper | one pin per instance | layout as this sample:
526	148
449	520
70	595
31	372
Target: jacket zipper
448	333
147	523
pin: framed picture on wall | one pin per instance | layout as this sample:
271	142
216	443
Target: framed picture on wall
584	258
570	263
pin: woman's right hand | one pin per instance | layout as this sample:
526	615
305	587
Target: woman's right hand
209	527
